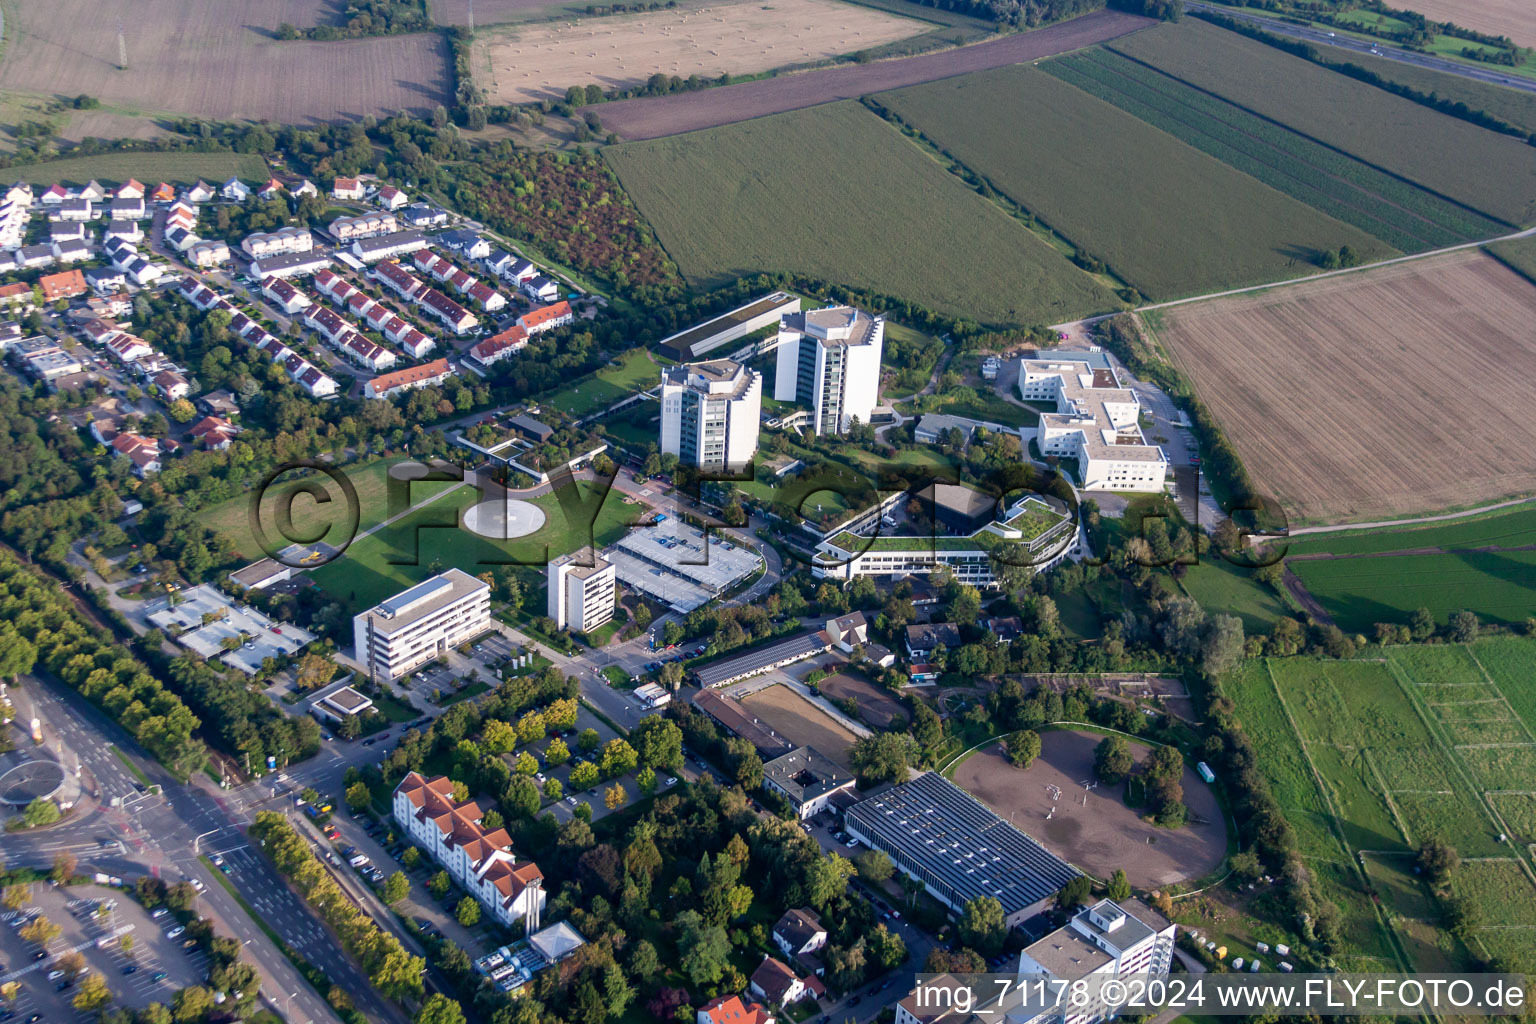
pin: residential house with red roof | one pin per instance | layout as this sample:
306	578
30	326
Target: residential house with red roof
387	385
547	318
499	346
731	1010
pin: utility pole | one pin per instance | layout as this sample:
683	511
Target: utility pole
471	17
122	48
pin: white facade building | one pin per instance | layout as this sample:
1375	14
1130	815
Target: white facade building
582	590
830	359
1106	940
480	862
1096	422
420	624
710	413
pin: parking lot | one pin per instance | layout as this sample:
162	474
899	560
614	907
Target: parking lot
151	970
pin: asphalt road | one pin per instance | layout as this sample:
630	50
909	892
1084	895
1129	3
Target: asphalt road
164	834
1323	37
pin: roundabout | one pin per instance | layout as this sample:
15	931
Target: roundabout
25	781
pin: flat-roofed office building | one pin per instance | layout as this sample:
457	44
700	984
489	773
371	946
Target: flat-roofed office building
710	413
418	625
582	590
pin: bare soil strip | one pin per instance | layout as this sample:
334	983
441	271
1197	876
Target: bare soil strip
659	116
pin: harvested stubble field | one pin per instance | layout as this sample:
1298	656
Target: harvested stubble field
217	60
1400	213
801	722
653	117
528	63
1163	215
496	12
1487	171
1411	383
1513	18
785	195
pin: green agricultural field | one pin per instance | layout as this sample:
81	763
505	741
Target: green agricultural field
1514	527
835	193
370	571
1168	218
1501	888
1223	588
1518	255
636	371
1322	702
1515	106
1402	214
150	168
232	517
1283	762
1359	592
1391	781
1508	661
1489	172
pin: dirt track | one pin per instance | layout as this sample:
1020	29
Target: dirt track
659	116
1104	833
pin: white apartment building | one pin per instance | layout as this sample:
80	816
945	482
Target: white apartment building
1107	940
830	359
480	862
582	590
420	624
710	413
1095	422
274	243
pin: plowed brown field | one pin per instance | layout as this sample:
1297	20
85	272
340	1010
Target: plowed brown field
1400	390
216	59
654	117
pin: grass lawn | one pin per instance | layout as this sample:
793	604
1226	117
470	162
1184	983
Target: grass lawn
370	479
387	562
394	708
636	371
894	221
150	168
978	405
604	633
1223	588
616	676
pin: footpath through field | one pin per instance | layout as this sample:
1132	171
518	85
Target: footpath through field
653	117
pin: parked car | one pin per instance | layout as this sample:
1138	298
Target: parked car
176	933
131	969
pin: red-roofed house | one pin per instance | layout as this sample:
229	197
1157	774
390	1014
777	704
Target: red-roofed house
779	985
731	1010
129	189
163	193
215	432
143	452
347	188
499	346
480	862
408	379
547	318
391	198
65	285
